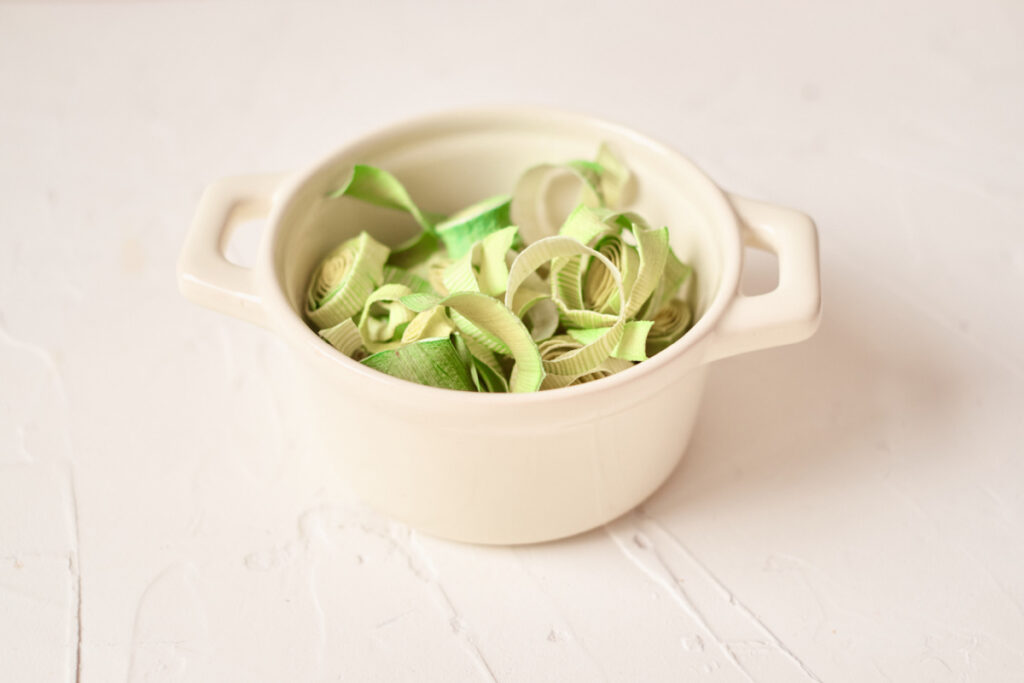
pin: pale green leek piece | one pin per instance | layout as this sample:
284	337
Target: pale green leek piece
489	299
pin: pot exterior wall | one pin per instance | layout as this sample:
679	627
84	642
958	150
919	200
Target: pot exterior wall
538	480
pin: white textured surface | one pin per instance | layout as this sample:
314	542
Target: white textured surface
851	508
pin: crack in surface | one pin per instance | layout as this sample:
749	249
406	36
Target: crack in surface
74	564
728	595
74	558
658	571
311	532
403	540
416	555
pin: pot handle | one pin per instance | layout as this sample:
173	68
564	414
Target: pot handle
205	276
789	313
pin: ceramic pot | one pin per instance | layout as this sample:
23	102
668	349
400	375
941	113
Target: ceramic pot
503	468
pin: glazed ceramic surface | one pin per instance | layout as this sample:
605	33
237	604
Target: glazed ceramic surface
502	468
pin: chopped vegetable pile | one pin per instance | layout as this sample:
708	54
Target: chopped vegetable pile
468	304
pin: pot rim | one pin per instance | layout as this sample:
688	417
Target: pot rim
290	324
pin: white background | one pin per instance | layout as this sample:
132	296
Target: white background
851	508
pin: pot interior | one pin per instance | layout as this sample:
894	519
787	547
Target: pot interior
448	162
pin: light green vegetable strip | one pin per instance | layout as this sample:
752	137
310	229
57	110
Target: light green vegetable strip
483	355
599	292
602	183
535	306
652	245
432	270
676	273
605	369
614	179
572	313
345	337
589	171
542	319
494	320
433	322
553	349
343	280
567	273
493	269
527	296
556	347
486	379
531	206
415	250
668	325
483	267
483	337
582	318
586	225
634	339
533	257
421	302
470	363
607	176
567	283
376	186
460	276
381	333
483	366
394	275
466	228
572	281
433	362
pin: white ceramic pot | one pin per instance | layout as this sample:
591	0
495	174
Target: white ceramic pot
503	468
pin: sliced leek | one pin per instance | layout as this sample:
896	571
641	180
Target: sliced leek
433	362
340	284
505	295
